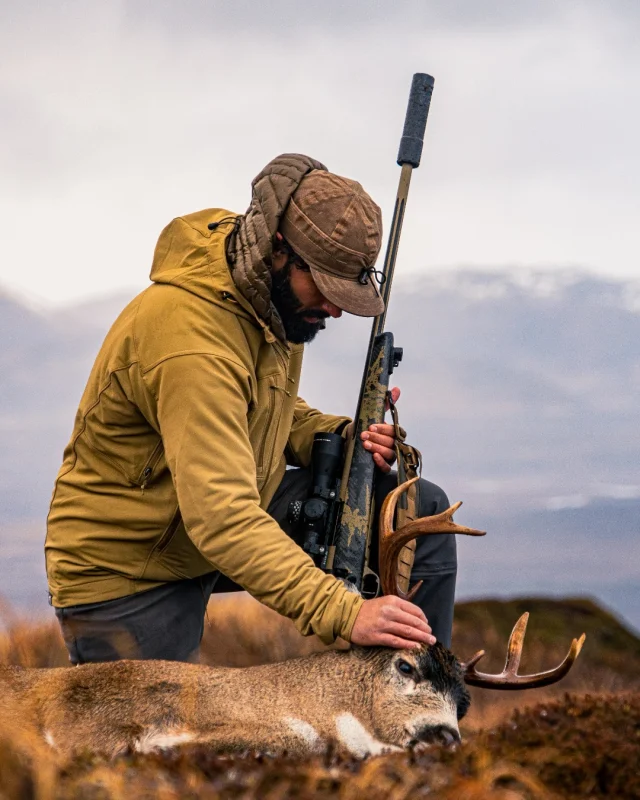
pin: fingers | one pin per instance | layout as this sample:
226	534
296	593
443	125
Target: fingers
391	622
380	441
405	612
408	607
400	617
380	462
382	456
386	640
383	429
395	394
409	633
408	626
376	441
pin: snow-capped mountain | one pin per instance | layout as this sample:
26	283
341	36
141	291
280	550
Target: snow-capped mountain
519	386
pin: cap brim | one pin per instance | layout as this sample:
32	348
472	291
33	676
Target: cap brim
362	299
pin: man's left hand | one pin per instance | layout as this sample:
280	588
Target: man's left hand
380	440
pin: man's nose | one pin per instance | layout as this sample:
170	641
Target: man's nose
331	309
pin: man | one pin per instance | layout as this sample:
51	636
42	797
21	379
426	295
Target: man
175	472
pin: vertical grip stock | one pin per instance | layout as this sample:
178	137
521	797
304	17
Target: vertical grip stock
415	120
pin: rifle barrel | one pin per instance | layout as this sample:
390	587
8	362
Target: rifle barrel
409	155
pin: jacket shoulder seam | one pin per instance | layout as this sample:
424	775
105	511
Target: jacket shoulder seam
182	353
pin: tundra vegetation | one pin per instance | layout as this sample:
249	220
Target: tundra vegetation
578	739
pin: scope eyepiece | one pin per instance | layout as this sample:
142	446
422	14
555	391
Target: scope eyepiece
326	457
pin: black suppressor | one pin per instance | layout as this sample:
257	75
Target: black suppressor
316	517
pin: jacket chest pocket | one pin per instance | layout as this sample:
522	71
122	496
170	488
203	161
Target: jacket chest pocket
267	423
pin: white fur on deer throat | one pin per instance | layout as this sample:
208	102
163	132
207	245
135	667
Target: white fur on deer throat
357	739
306	732
156	740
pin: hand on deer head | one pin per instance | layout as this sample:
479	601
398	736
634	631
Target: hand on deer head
391	622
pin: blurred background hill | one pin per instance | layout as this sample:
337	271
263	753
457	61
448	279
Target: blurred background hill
520	387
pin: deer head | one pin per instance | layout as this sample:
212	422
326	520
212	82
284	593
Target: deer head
391	544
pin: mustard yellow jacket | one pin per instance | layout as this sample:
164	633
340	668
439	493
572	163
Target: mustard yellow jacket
179	445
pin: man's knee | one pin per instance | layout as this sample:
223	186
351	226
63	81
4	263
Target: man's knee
436	553
431	498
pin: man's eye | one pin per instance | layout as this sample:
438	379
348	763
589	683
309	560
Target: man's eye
404	667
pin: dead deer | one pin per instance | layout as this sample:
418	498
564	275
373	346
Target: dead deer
365	701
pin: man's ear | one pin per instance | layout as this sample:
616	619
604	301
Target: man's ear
278	244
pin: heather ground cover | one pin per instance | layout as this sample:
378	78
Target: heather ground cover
580	743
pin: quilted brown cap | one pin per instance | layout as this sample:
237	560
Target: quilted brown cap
336	228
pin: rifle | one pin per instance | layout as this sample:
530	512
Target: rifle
333	525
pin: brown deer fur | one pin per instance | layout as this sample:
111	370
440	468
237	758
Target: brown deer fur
359	700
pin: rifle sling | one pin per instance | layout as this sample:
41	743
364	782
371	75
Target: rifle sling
409	466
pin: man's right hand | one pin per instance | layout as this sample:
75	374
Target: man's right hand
391	622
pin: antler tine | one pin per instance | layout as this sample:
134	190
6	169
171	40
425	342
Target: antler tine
514	647
392	541
509	678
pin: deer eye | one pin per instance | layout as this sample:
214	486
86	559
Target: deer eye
404	667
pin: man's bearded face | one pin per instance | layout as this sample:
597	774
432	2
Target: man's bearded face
298	329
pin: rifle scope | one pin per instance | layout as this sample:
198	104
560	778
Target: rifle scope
315	518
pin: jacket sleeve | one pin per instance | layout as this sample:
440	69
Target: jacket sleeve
202	403
307	422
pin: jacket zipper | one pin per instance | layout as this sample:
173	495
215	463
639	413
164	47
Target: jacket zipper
275	424
147	472
263	441
145	478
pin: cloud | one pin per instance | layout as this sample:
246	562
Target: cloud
286	17
122	115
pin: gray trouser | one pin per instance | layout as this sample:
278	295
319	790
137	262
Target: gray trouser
168	622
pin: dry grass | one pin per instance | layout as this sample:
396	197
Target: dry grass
240	632
570	746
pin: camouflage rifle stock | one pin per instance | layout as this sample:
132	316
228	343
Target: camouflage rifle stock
348	554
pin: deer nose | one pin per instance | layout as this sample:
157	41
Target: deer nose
446	736
438	734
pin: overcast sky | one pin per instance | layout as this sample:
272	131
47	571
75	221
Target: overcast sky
117	116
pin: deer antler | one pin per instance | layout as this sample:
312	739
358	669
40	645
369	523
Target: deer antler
509	678
391	544
392	541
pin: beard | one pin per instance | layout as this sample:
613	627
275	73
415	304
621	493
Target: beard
289	307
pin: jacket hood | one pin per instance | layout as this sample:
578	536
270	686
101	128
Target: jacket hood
191	255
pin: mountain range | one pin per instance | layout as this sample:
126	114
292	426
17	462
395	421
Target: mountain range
520	387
